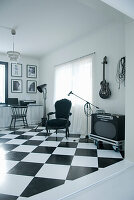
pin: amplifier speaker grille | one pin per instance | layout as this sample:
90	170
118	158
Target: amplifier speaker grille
108	126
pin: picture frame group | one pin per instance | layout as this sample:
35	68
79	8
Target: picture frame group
17	84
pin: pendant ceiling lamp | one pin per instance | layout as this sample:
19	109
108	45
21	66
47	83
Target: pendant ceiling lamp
13	55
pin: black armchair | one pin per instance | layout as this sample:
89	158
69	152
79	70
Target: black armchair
62	113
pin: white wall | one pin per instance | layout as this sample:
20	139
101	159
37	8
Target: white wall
109	41
24	95
129	105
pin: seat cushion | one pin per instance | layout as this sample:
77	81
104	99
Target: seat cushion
58	123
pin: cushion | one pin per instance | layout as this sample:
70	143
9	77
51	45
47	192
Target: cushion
59	123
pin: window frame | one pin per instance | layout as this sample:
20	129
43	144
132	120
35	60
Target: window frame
6	81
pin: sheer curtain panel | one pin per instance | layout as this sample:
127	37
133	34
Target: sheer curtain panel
75	76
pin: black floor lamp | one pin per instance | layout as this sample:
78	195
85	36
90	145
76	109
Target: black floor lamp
87	108
43	89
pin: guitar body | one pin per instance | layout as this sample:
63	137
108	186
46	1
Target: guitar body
104	91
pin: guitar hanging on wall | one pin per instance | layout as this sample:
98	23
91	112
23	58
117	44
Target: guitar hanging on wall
104	91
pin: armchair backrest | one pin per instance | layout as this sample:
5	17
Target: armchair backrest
62	108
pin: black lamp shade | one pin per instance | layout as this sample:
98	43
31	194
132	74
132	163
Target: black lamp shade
40	88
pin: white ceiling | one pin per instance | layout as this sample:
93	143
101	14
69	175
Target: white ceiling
124	6
43	26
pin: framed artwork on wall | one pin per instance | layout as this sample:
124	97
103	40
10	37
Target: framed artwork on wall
31	71
31	86
16	69
16	85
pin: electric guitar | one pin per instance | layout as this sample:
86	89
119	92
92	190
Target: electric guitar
104	91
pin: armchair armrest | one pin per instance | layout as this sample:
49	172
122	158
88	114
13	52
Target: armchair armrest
50	113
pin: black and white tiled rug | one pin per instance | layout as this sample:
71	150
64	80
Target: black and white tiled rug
32	162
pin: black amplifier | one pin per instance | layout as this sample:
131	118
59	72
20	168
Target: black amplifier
110	126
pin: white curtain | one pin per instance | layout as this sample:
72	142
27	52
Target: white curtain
2	83
75	76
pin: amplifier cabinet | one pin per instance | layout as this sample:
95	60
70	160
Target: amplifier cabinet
109	126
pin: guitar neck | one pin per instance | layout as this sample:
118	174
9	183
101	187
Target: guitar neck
103	72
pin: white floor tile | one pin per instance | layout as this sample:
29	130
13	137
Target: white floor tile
6	165
24	129
108	153
36	157
14	184
53	171
30	133
58	135
50	143
10	136
38	138
87	146
41	128
5	132
85	161
64	151
16	141
25	148
22	198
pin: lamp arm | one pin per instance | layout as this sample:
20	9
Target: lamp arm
85	100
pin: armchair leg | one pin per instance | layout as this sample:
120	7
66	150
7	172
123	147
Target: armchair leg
66	132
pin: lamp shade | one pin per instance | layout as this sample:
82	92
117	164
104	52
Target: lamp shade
40	88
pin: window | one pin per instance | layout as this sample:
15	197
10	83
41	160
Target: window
75	76
3	82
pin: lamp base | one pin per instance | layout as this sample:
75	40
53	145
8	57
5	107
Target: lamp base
43	121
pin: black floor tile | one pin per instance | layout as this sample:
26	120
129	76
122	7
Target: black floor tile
35	130
60	159
26	169
25	137
42	149
104	162
77	172
105	146
16	156
8	147
17	132
42	134
2	135
86	152
4	140
68	144
85	140
7	197
74	135
122	153
38	185
54	139
32	142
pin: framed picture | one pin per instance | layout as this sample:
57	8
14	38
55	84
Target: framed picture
31	86
16	69
16	85
31	71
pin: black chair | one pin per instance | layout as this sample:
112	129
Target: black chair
62	113
19	113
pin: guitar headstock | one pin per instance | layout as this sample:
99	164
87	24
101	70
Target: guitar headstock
104	60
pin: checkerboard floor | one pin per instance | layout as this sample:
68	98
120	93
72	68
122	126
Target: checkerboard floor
32	161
